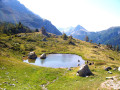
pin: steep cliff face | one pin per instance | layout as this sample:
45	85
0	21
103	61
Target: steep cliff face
13	11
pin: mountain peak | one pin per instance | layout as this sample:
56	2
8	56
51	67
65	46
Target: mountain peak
80	28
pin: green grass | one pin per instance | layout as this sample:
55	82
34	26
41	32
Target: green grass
26	76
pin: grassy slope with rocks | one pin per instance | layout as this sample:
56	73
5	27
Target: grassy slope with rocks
15	74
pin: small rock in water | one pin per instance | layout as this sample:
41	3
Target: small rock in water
110	72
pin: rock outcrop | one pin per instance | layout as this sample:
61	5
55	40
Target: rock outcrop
32	55
43	56
44	39
84	71
43	31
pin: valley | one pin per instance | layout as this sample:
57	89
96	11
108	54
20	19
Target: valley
76	58
16	74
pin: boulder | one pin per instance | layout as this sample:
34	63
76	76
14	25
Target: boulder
43	56
108	68
44	39
118	68
84	71
32	55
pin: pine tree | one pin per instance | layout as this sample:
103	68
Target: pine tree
36	30
117	48
64	36
87	39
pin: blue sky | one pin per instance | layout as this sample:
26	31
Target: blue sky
94	15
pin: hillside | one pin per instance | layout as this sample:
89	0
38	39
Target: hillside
15	74
13	11
109	36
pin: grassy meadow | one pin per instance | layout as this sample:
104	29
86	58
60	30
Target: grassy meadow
17	75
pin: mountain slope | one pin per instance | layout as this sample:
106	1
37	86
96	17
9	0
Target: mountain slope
13	11
109	36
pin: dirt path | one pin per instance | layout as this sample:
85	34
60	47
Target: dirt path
44	86
113	83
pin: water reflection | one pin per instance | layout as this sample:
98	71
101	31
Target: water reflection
31	60
57	61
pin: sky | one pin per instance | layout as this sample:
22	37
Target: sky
93	15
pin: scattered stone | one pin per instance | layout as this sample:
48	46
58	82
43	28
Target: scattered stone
78	60
111	58
3	68
32	55
5	82
95	46
77	74
114	69
13	79
43	56
84	71
109	78
109	72
12	85
44	39
69	69
108	68
118	68
4	89
16	81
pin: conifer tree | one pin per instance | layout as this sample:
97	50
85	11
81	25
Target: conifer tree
87	39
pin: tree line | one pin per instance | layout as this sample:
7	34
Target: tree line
10	29
109	46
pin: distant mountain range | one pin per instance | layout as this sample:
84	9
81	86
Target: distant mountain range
109	36
13	11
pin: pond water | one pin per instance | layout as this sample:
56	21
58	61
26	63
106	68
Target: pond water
57	61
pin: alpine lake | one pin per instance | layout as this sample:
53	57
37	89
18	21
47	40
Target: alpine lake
57	61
